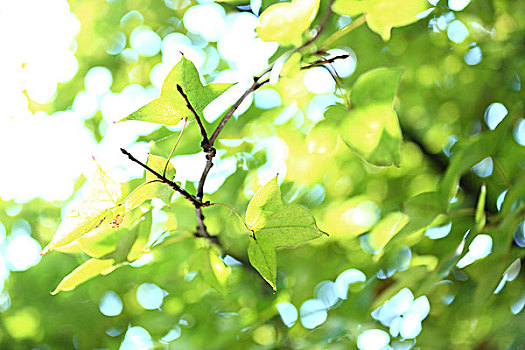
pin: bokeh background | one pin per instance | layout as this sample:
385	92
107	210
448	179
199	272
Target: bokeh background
70	69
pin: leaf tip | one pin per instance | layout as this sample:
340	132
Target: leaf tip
47	249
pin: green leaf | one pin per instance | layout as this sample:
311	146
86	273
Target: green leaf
386	229
212	268
374	86
383	15
480	218
100	200
374	133
286	22
152	188
274	225
170	108
143	230
84	272
119	244
371	128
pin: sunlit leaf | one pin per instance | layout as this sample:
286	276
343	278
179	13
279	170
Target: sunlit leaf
375	86
286	22
374	133
86	271
143	230
212	269
480	217
383	15
385	230
152	188
170	107
275	225
99	202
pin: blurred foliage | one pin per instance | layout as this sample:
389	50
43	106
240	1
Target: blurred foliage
380	219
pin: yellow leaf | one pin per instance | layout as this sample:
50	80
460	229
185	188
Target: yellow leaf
286	22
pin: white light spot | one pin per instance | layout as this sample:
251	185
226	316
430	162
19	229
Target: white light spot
288	313
373	339
519	234
242	49
501	198
115	43
365	214
400	302
473	56
255	5
457	5
325	292
145	41
98	80
85	104
410	326
438	232
207	20
420	307
150	296
495	114
346	278
2	233
267	98
172	335
143	260
22	252
313	313
483	168
110	304
480	247
518	305
457	32
136	338
318	80
519	131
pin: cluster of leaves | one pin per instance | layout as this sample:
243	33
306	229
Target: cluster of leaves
110	224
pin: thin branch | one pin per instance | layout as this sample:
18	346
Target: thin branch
325	61
190	107
209	163
196	203
233	108
322	26
202	229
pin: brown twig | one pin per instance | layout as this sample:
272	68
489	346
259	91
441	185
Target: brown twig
256	85
325	61
322	26
196	203
197	118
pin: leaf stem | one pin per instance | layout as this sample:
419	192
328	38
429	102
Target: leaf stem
343	31
236	214
173	149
